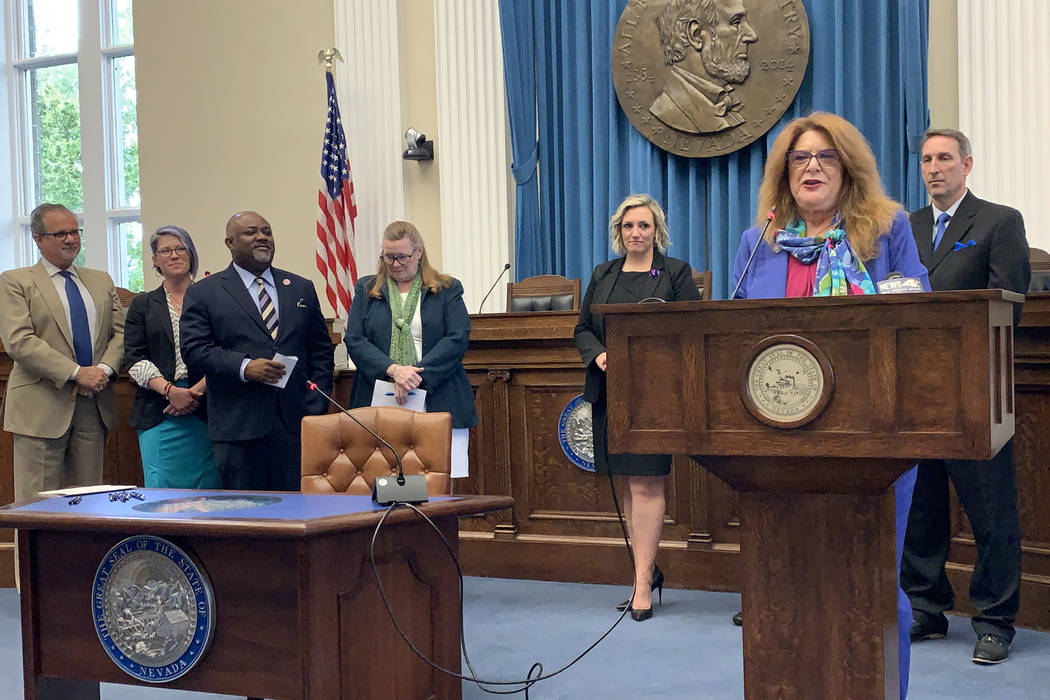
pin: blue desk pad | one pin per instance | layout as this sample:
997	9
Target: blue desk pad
228	505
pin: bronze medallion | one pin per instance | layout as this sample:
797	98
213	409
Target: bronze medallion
703	78
786	381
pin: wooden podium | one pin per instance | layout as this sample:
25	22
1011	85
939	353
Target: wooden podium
297	613
811	409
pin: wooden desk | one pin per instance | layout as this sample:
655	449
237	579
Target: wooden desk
297	611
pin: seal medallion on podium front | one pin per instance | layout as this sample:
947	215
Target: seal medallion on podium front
786	384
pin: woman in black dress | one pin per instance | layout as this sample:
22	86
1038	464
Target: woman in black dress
638	231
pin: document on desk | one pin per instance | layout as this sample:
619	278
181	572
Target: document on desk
383	395
289	364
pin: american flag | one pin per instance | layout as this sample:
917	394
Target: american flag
336	211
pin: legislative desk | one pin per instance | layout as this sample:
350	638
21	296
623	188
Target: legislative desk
525	370
260	594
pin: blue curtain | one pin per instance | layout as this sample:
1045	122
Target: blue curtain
867	63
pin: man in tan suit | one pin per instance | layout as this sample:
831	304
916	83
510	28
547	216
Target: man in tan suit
64	328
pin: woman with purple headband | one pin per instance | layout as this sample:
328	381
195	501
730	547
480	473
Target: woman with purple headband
169	403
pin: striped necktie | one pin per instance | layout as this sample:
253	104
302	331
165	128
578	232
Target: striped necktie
266	307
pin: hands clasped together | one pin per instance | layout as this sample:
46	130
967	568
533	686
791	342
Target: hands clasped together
406	378
90	381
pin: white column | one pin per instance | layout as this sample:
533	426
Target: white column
369	87
1004	103
471	148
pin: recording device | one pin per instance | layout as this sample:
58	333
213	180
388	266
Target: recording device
486	297
761	236
896	283
404	488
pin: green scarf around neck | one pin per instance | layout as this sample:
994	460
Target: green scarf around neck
402	347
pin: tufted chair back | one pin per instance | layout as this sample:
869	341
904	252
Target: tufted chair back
339	456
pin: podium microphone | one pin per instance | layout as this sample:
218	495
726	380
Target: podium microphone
761	237
897	283
410	488
498	278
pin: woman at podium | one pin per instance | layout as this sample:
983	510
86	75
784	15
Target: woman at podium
826	228
638	233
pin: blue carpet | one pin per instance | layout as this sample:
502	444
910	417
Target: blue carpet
688	650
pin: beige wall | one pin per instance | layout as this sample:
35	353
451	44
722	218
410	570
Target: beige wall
943	66
419	103
231	108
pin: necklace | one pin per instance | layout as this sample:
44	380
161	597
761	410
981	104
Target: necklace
173	302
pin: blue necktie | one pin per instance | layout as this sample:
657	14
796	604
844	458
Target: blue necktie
942	223
78	320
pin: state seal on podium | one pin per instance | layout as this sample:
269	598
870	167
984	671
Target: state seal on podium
786	381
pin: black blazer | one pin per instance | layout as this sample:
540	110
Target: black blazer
446	333
674	282
221	326
148	336
997	260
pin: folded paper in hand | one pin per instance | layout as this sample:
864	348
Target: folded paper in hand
383	395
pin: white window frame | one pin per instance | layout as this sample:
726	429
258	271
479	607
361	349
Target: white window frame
100	141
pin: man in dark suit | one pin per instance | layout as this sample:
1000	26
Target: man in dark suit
966	243
233	324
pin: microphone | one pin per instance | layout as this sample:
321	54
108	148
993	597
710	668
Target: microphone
761	236
896	283
404	488
498	278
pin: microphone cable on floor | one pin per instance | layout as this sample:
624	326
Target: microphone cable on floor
536	668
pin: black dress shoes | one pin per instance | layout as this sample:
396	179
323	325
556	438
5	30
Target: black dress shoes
928	628
991	649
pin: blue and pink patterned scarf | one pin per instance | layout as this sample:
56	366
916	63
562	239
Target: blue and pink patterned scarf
839	271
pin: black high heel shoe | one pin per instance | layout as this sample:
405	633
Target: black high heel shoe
657	585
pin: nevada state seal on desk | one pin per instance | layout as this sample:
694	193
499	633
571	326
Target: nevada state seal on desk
153	608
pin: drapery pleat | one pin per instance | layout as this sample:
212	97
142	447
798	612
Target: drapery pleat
867	63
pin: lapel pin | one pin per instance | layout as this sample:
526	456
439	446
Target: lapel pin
286	282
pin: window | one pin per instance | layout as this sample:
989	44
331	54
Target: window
75	135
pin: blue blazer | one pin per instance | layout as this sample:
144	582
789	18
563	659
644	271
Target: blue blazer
221	326
767	276
446	333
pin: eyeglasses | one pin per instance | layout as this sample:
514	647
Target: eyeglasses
63	235
828	158
390	259
178	250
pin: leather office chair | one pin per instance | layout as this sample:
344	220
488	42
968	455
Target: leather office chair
339	456
1040	261
702	280
544	293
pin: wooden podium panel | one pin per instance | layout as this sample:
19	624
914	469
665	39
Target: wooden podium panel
297	610
917	375
883	381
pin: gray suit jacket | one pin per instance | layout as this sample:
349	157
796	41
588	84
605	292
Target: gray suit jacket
37	336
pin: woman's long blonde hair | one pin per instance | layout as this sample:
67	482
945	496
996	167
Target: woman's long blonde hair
867	211
433	280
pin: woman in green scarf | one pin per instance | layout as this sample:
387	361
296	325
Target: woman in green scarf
408	325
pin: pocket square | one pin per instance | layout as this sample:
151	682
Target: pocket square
301	304
960	246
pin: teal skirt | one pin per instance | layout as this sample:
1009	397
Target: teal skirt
177	454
